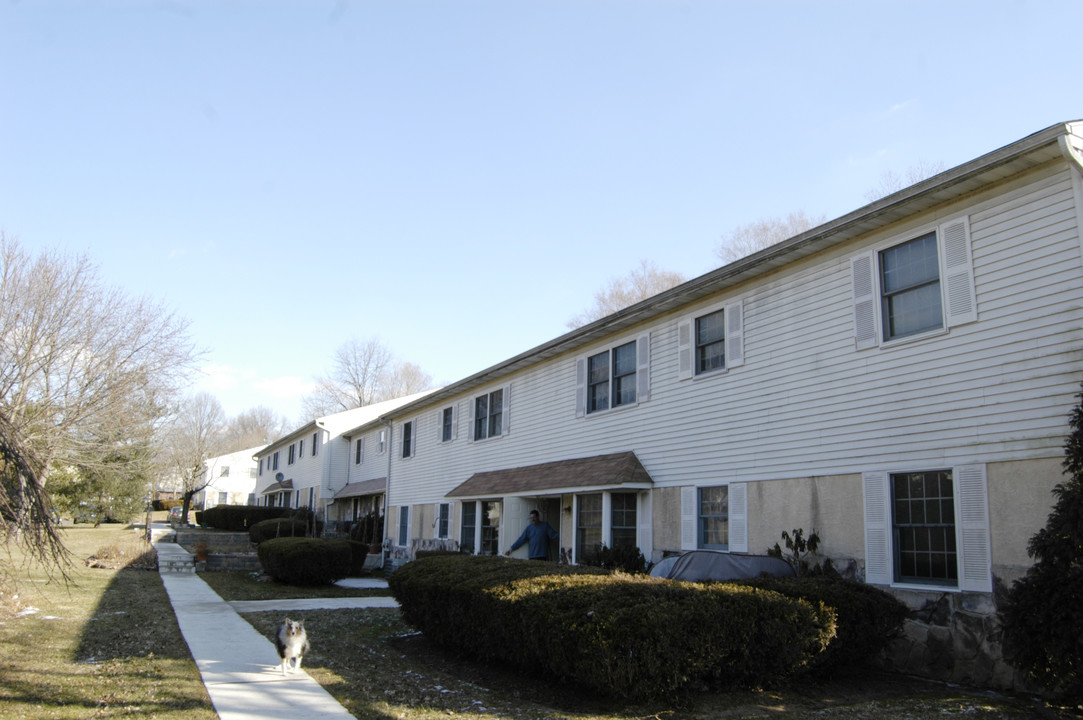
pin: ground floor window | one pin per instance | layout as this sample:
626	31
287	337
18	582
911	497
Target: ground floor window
923	525
714	517
468	527
624	520
442	517
588	526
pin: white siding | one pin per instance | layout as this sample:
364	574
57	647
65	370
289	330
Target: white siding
806	401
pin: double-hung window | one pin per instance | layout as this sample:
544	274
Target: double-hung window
468	527
605	518
489	414
292	454
315	443
381	441
275	461
404	525
711	341
443	517
714	521
446	424
408	439
359	451
715	517
618	376
913	286
928	528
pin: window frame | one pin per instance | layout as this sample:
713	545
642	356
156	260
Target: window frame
359	451
291	455
315	442
478	425
446	425
443	520
972	528
702	519
402	534
640	385
408	439
733	340
955	266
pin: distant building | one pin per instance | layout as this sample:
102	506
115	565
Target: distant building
232	480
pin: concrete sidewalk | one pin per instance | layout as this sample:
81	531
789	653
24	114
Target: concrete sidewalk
240	667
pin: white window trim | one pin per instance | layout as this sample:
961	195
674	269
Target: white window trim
398	526
972	541
381	441
505	417
436	521
735	340
359	451
413	438
643	374
958	300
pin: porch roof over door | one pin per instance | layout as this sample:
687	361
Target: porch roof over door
375	486
278	487
619	470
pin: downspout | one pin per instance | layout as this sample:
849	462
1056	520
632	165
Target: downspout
385	546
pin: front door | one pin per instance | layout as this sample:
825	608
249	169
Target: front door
549	510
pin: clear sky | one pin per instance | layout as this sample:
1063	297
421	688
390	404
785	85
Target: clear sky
458	177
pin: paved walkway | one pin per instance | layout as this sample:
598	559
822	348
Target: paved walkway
240	667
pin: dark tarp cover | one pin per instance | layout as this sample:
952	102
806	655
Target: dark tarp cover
698	565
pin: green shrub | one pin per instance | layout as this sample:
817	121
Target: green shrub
306	561
368	529
276	528
1043	613
239	518
627	558
627	636
867	617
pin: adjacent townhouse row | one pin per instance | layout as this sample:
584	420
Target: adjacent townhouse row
308	467
897	379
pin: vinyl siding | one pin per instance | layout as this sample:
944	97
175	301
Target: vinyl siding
806	402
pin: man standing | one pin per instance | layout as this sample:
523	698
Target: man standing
537	534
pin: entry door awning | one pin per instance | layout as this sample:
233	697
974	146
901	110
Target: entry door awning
376	486
278	487
619	470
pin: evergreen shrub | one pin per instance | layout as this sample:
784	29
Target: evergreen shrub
867	617
276	528
306	561
239	518
1042	616
628	636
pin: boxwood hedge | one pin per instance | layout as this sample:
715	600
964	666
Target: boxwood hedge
238	518
276	528
306	561
632	637
867	617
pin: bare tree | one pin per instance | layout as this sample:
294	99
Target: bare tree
639	284
363	372
891	183
405	378
748	239
255	427
194	436
78	362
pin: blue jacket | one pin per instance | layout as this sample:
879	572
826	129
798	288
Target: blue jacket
538	537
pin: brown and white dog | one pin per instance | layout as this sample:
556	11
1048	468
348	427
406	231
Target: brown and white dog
291	643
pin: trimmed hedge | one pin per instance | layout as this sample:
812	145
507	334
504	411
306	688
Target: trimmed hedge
632	637
276	528
306	561
238	518
867	617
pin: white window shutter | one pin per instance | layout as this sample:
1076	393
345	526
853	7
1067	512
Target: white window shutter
505	419
645	538
735	335
878	564
972	518
684	349
439	426
362	453
470	403
455	421
862	269
738	503
957	270
689	518
580	387
643	367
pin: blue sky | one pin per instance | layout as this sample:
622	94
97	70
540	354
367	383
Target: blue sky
457	178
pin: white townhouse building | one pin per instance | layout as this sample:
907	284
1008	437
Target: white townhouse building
307	467
231	480
898	380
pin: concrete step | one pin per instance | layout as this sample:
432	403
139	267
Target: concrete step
177	564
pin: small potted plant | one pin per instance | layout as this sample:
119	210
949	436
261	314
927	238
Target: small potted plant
202	550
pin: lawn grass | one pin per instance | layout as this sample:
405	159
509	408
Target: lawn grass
106	647
241	585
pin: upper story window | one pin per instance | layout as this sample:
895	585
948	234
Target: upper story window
381	441
315	442
615	377
446	424
489	414
408	439
300	449
359	451
275	461
711	341
251	475
292	452
224	472
261	466
923	284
